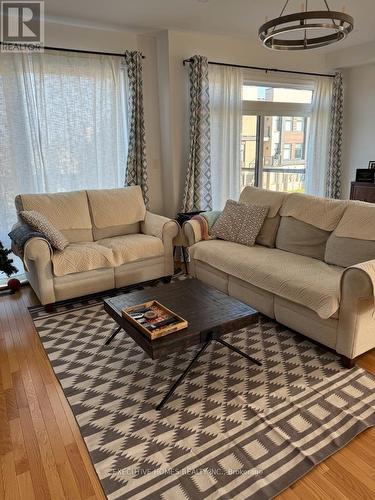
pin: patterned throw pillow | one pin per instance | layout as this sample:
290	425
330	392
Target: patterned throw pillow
240	222
37	221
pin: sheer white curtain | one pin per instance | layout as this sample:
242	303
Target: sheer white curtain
318	138
63	125
226	118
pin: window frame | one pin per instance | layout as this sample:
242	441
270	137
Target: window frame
287	149
261	109
299	146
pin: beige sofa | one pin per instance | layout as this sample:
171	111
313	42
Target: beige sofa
113	241
312	268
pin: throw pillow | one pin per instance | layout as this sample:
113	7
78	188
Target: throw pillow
22	233
240	222
37	221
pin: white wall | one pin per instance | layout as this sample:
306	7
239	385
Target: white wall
88	38
110	40
359	122
182	45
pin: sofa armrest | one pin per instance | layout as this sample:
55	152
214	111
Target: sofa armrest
192	231
20	234
199	227
165	229
160	227
37	255
356	327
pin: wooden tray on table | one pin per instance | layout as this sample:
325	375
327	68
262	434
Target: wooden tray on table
162	312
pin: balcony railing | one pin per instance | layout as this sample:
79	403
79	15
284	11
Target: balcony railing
286	178
278	170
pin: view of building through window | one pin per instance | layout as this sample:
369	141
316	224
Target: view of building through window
276	94
273	148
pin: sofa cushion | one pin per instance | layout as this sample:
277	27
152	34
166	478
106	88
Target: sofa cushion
358	221
348	252
353	241
116	212
274	201
132	247
306	224
68	212
309	282
301	238
324	213
239	222
81	257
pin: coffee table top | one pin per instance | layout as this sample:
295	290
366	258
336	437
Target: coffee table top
207	310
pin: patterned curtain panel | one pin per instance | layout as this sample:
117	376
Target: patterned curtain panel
198	189
136	173
333	185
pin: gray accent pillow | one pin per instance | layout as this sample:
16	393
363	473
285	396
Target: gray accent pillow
37	221
346	252
22	233
301	238
240	222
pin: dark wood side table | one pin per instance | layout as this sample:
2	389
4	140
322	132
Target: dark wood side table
363	191
209	312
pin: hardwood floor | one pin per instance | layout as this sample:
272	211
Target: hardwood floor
42	452
43	456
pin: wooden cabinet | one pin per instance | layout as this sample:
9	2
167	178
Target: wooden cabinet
362	191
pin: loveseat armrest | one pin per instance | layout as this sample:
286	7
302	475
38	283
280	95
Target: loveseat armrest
160	227
356	327
37	255
165	229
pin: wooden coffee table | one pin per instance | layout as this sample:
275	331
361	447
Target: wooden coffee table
209	312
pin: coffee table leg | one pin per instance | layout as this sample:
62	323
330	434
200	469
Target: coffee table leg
183	375
238	351
112	336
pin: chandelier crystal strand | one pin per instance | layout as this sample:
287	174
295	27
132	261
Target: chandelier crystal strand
337	25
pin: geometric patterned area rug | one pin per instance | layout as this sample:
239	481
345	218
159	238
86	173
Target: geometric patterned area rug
231	430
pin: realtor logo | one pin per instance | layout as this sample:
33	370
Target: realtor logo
22	26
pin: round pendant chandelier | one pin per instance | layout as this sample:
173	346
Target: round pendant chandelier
306	29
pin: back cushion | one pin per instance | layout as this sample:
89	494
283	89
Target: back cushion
264	198
116	212
307	223
68	212
353	241
298	237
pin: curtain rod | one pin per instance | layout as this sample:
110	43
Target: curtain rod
263	69
78	50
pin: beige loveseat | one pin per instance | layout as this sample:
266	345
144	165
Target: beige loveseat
312	268
113	241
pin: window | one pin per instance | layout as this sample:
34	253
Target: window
248	150
287	151
75	138
279	119
298	151
276	94
300	124
288	124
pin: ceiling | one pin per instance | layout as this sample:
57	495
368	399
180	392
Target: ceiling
225	17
